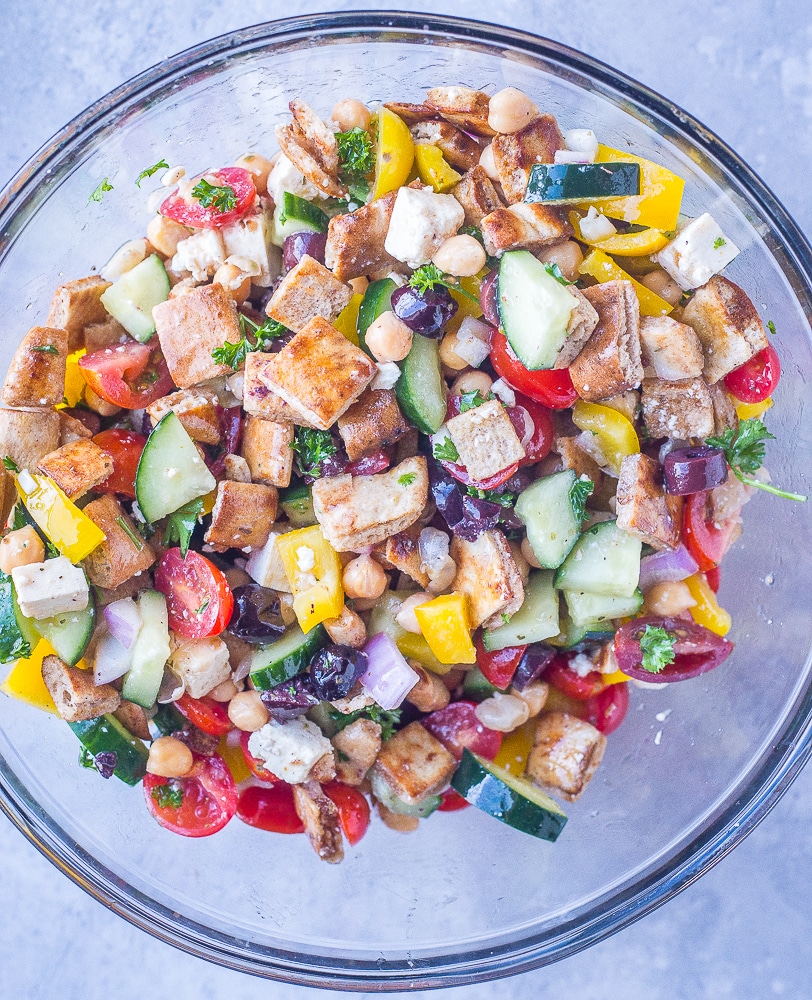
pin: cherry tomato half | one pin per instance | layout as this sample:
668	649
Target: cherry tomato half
552	387
541	442
353	809
206	798
125	448
493	482
452	801
255	765
757	378
696	649
500	665
270	808
456	727
205	713
706	541
607	709
198	596
130	375
561	675
714	578
191	212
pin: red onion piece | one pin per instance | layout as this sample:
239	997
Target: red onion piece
667	565
388	677
124	621
110	660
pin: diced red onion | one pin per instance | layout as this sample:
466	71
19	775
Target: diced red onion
522	423
667	565
124	621
432	546
503	391
572	156
388	677
111	660
473	341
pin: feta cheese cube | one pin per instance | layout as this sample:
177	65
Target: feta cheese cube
287	177
290	749
201	254
699	250
421	222
251	238
50	588
201	664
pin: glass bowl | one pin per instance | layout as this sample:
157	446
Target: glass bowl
694	767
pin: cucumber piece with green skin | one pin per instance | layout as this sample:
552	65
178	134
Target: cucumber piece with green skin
107	735
594	609
69	633
17	636
133	296
552	524
574	636
534	309
420	390
558	183
536	619
476	686
150	651
290	655
295	215
170	471
297	503
384	794
377	300
507	797
167	719
604	560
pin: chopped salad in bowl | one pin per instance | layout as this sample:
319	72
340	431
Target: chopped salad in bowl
373	472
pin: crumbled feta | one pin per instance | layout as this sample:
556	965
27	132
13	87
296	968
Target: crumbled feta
388	374
202	253
699	250
287	177
265	566
305	558
50	588
596	227
289	749
248	242
582	664
421	222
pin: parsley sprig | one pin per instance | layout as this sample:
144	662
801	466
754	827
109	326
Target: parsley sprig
446	451
168	796
100	191
181	524
657	647
356	158
470	400
312	448
386	719
580	491
233	353
504	499
429	276
555	271
221	197
149	171
744	450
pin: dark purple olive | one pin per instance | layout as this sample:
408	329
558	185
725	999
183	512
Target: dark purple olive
335	669
298	244
694	470
197	741
256	616
488	298
106	763
291	699
536	659
425	313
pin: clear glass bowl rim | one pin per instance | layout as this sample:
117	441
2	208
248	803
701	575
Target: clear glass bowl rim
779	767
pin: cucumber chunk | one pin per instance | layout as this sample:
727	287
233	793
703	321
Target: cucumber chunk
377	299
107	735
290	655
18	637
69	633
513	800
536	619
150	651
297	503
384	794
420	390
132	297
296	215
594	609
546	509
573	636
170	471
604	560
558	183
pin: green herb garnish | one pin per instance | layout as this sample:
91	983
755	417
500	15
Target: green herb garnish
233	353
222	198
10	464
100	191
199	611
470	400
428	276
312	448
580	491
387	720
503	499
181	524
407	478
356	158
719	242
149	171
555	271
771	327
446	451
128	531
657	646
168	796
744	450
46	349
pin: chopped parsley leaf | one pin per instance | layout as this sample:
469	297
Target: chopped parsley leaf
168	796
199	611
657	647
233	353
744	450
10	464
503	499
312	448
555	271
100	191
446	451
356	159
46	349
128	531
181	524
428	276
771	327
580	491
149	171
407	478
222	198
719	242
470	400
387	720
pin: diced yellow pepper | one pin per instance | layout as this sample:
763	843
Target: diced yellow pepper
74	380
68	527
395	153
415	647
466	306
209	500
433	169
616	677
641	244
745	411
516	747
602	268
313	570
235	760
347	320
25	680
615	433
444	623
707	611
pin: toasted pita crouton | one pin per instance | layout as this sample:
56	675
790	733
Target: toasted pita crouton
724	411
77	304
357	747
644	508
681	409
355	242
402	553
134	719
523	227
319	373
610	362
75	695
566	753
414	764
463	107
371	423
289	139
266	447
347	629
575	458
307	291
458	148
321	140
413	113
670	350
8	495
97	336
236	469
515	154
727	324
487	573
321	821
583	320
123	553
201	664
357	511
27	435
190	327
195	408
77	467
260	400
71	429
242	516
477	195
485	439
311	146
36	375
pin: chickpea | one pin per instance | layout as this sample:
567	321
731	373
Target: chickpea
668	598
472	381
165	234
363	577
124	259
488	163
442	577
358	285
169	758
406	617
448	352
349	114
463	256
224	691
568	255
535	695
235	282
503	712
662	284
247	712
389	338
398	821
529	554
21	548
259	167
511	109
429	694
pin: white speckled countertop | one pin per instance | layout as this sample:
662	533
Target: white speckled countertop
745	70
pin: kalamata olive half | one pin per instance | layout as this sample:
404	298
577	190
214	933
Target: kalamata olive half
298	244
694	470
334	670
426	312
537	657
256	616
290	699
488	293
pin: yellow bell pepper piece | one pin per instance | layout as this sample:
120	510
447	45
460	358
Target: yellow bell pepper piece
235	760
616	677
467	306
444	623
602	268
615	433
347	320
74	380
707	611
68	527
745	411
515	748
395	153
313	570
433	169
25	680
641	244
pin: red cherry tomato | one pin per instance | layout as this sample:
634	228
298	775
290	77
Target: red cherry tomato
208	798
452	801
205	713
130	375
255	765
270	808
714	578
198	596
757	378
561	676
500	665
491	483
353	809
541	443
125	448
706	541
696	649
190	212
607	709
457	727
551	387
